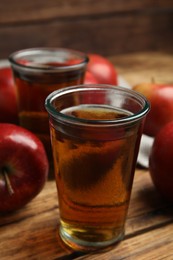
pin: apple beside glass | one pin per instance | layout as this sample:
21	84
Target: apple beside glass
23	167
161	100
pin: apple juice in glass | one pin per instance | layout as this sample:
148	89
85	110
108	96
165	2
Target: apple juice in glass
38	72
95	133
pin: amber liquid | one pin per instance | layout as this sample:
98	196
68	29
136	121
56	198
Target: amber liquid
32	90
94	174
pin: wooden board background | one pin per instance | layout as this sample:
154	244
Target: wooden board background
106	27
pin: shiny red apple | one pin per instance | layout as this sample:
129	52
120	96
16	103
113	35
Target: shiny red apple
102	69
8	100
161	161
23	167
160	97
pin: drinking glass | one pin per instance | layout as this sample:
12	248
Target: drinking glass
38	72
95	132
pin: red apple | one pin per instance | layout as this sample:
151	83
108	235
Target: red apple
161	99
23	167
161	161
8	101
102	69
89	78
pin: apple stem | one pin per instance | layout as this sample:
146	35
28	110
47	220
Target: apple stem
8	183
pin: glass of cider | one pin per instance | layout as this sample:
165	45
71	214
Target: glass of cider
95	132
37	72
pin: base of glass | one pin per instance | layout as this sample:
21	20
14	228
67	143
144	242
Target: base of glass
87	246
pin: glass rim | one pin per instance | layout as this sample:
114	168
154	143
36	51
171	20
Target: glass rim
24	53
64	117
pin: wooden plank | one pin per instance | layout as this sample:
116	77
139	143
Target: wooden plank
155	244
106	27
32	238
32	231
40	10
145	67
107	35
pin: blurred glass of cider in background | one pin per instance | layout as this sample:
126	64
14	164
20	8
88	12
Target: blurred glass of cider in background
38	72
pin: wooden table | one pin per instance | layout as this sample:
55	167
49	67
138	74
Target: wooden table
31	233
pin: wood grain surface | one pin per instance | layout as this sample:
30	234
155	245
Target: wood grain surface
39	10
107	27
143	67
